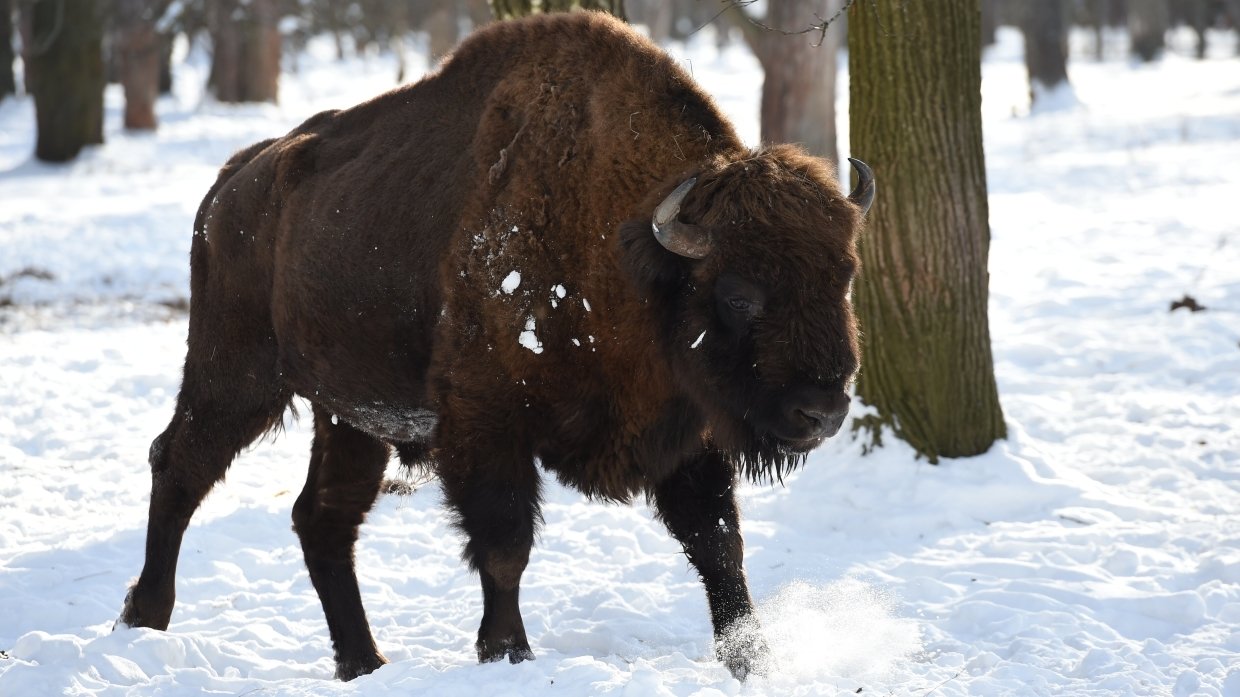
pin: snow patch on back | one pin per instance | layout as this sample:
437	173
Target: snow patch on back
511	281
528	339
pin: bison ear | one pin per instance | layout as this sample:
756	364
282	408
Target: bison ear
646	262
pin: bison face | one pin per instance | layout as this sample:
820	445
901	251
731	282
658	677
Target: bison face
752	267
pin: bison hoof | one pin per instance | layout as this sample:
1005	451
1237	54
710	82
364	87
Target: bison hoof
136	613
347	669
745	652
514	651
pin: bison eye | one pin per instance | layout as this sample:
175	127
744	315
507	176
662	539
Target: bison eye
740	305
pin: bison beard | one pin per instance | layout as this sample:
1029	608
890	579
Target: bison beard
554	250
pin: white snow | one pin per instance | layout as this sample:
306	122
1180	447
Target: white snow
1095	552
511	281
528	338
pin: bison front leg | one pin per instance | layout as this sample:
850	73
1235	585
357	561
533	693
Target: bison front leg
496	500
698	505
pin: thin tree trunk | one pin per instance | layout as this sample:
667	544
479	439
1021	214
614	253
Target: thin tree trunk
921	297
8	82
1147	27
1199	12
65	76
1046	47
165	63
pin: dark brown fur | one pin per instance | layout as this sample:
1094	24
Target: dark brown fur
359	261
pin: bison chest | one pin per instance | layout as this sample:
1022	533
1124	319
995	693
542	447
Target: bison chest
610	452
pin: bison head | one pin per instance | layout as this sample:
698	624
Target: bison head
749	262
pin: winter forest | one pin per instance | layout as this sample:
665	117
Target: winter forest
966	411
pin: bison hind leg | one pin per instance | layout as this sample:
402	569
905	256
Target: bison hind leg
345	477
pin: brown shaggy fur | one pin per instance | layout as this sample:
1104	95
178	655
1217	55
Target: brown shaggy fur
360	262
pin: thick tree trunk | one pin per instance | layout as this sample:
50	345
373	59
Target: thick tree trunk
65	75
138	46
507	9
8	82
921	296
798	91
1199	13
1046	46
1147	27
245	62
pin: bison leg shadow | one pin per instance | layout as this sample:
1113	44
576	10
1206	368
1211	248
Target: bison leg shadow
497	507
697	503
346	472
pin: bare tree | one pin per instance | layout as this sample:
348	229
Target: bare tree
1046	47
915	115
507	9
1147	27
64	72
8	82
245	59
797	47
139	46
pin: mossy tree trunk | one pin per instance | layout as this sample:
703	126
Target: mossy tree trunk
1044	26
915	117
508	9
65	75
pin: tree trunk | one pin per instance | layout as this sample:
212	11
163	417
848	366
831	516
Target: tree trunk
8	82
165	63
139	49
443	26
798	90
1147	27
65	75
508	9
245	61
1199	15
1046	46
798	87
921	296
990	22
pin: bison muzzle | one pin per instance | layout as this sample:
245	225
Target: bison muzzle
554	251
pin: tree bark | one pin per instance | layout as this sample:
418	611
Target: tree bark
65	75
245	61
1046	46
139	46
8	81
1147	27
798	90
508	9
921	297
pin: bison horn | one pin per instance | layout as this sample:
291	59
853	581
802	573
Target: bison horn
678	237
863	194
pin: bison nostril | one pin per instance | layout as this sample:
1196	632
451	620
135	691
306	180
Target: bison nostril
813	418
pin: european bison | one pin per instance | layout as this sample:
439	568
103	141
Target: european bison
554	250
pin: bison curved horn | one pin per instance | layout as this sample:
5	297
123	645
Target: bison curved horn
677	237
863	194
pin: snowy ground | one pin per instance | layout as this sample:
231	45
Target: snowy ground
1095	552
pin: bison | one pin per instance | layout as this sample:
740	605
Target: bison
554	252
